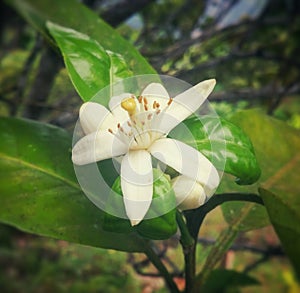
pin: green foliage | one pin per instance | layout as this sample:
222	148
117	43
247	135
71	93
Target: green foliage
72	14
279	181
90	66
223	143
42	195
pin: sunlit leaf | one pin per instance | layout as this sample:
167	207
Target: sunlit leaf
90	66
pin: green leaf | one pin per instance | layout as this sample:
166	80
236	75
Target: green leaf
223	143
220	280
159	222
39	191
285	217
72	14
277	148
90	67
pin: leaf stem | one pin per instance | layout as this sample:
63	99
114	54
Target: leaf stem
156	261
189	250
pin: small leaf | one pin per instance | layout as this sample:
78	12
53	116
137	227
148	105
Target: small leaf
224	144
159	222
90	67
220	280
39	192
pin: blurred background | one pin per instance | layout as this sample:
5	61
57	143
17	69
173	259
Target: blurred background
252	48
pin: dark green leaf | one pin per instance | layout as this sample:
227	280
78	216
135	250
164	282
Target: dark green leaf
159	222
219	281
90	67
39	191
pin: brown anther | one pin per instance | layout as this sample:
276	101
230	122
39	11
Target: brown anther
140	99
121	129
157	111
146	107
154	105
170	101
157	105
149	116
128	123
119	125
110	130
145	101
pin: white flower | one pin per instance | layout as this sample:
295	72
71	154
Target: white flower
136	127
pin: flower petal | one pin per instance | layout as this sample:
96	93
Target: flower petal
156	92
94	116
186	160
137	184
185	104
189	193
97	146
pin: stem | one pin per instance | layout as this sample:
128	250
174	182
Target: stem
189	250
196	217
161	268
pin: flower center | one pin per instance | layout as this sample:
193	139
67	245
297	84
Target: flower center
142	128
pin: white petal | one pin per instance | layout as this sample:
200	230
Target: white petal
94	116
97	146
185	104
137	184
189	193
156	92
186	160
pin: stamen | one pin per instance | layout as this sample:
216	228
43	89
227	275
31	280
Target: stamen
140	99
145	107
154	105
119	125
149	117
128	123
110	130
145	101
170	101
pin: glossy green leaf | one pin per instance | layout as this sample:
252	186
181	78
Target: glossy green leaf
160	224
223	143
90	67
72	14
222	280
39	191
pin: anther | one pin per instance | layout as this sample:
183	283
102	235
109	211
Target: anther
170	101
110	130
